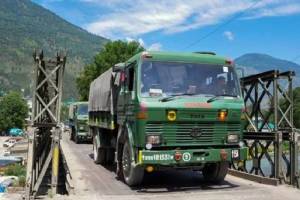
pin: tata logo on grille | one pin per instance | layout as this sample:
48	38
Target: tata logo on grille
196	132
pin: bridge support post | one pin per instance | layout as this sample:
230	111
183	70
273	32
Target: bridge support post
55	159
294	149
277	155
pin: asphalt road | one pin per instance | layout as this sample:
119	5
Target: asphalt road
93	181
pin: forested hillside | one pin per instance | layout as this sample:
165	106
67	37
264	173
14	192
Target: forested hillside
25	26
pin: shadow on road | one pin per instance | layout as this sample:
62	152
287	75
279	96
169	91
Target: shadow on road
178	180
173	181
111	168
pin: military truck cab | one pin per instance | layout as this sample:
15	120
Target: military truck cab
78	122
161	110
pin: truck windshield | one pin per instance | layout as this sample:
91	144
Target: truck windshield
162	79
82	109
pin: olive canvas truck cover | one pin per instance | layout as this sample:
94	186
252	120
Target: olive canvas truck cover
100	93
103	99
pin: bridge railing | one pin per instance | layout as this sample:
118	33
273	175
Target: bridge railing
269	130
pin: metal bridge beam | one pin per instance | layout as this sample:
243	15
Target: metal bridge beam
44	149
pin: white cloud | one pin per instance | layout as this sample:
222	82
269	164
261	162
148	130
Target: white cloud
155	47
129	39
103	2
276	11
229	35
133	18
139	40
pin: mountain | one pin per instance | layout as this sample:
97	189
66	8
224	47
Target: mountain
255	63
25	26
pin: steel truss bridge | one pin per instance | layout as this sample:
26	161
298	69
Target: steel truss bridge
269	131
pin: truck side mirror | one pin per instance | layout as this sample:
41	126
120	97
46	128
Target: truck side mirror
118	67
74	111
122	77
130	78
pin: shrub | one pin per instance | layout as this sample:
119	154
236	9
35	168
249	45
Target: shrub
22	181
15	170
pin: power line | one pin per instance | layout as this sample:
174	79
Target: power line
221	26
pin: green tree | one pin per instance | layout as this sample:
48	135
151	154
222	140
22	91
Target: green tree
13	111
64	112
112	53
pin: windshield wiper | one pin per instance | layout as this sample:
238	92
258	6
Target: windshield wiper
173	96
217	96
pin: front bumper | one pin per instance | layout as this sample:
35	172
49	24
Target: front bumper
84	135
191	156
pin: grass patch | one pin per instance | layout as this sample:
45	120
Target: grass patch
15	170
19	171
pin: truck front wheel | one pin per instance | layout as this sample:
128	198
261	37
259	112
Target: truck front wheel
132	175
215	172
99	153
72	133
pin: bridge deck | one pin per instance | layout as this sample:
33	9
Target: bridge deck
93	181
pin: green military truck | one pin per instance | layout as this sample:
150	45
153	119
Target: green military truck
162	110
78	122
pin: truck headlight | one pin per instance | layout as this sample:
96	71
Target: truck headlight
153	139
171	115
222	115
232	138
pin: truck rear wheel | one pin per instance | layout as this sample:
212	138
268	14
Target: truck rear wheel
110	155
71	133
215	172
99	153
132	175
76	139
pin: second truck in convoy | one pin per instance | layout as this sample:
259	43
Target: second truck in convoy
161	110
78	122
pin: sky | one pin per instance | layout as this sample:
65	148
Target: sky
228	27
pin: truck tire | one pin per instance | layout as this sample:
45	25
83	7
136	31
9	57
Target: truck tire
132	175
76	139
110	156
71	133
99	153
215	172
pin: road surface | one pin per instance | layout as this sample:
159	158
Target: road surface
93	181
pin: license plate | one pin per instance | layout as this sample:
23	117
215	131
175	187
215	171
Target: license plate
157	157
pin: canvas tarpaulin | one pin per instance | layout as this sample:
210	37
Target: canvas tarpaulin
100	92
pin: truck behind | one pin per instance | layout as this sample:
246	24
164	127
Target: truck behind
78	122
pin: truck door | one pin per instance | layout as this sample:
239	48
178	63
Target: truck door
126	96
129	92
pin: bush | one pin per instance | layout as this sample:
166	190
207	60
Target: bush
22	181
15	170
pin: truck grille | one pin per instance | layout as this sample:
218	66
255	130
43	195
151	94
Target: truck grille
82	127
192	133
